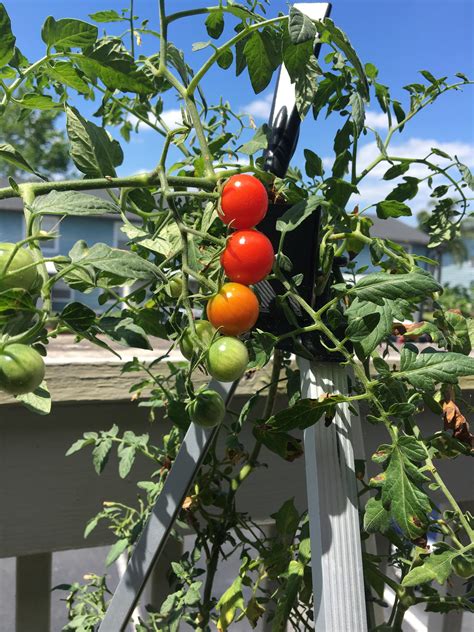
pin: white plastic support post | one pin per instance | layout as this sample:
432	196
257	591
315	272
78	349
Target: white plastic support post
338	582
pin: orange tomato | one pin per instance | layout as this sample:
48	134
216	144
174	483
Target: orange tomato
234	310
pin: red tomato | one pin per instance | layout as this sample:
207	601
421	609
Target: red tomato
244	201
234	310
248	257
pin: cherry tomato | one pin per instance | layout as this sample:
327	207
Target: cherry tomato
248	257
234	310
21	369
16	276
244	201
227	359
205	332
208	409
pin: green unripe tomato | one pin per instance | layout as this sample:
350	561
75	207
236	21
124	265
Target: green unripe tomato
207	409
205	333
26	279
463	566
21	369
175	286
227	359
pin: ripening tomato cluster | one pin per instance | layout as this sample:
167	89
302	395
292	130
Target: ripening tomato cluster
247	258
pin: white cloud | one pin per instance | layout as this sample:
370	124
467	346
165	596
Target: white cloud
172	118
373	188
259	108
376	120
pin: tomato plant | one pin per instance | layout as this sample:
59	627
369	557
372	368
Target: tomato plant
21	369
188	222
248	257
244	201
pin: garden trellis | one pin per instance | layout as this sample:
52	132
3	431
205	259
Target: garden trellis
338	585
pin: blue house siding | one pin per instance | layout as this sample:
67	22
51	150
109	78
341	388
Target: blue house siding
11	226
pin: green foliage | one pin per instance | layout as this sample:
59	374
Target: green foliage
169	218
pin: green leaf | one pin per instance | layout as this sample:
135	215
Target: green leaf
286	522
100	454
225	59
305	413
126	454
64	72
306	85
68	33
107	16
122	263
34	101
381	285
402	495
406	190
466	175
78	317
436	566
93	151
281	443
109	61
369	324
125	332
116	551
227	606
73	203
392	208
11	155
295	215
396	170
91	525
313	165
358	111
259	141
259	64
193	594
376	517
81	443
288	599
167	243
431	367
215	24
300	27
7	40
39	401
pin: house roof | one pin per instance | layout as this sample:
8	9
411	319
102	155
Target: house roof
390	228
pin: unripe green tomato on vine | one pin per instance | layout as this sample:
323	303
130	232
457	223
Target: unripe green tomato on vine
463	566
14	276
227	359
175	286
205	332
21	369
207	409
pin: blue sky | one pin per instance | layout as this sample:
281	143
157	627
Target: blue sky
399	37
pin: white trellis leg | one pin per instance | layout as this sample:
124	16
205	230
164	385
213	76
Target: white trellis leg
338	583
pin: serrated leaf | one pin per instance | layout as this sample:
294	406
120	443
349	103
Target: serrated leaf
305	413
259	64
300	27
107	16
313	165
39	401
64	72
432	367
392	208
215	24
257	143
295	215
91	525
73	203
376	517
100	454
369	324
396	170
92	150
125	332
358	111
126	456
116	550
466	175
436	566
381	285
35	101
68	33
227	606
121	263
14	157
115	67
293	583
7	41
